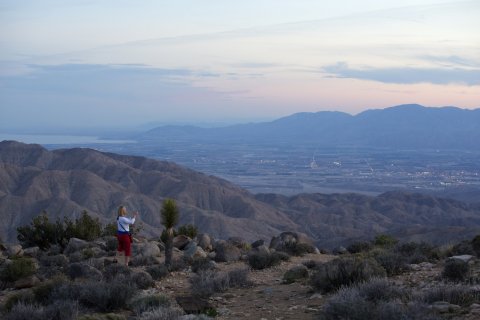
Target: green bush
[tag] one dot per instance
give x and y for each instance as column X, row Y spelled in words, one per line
column 262, row 260
column 345, row 271
column 359, row 246
column 455, row 270
column 110, row 229
column 43, row 233
column 19, row 268
column 200, row 264
column 188, row 230
column 25, row 297
column 384, row 240
column 393, row 262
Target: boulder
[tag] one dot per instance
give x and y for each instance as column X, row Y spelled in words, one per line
column 205, row 242
column 181, row 241
column 258, row 243
column 292, row 243
column 193, row 251
column 32, row 252
column 262, row 249
column 465, row 257
column 238, row 242
column 75, row 245
column 14, row 250
column 59, row 260
column 146, row 249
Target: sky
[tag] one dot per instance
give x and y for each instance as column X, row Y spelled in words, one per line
column 119, row 63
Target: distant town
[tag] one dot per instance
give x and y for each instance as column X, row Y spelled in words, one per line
column 293, row 169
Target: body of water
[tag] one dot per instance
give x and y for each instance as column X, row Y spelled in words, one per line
column 45, row 139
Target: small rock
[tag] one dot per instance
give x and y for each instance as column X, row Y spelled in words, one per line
column 14, row 250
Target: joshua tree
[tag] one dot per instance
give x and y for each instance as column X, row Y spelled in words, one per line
column 170, row 216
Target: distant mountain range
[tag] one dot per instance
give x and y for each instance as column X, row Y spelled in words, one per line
column 65, row 182
column 406, row 126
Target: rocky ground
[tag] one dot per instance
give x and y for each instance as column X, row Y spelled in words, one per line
column 268, row 297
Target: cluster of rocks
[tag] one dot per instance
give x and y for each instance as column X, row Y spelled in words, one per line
column 236, row 248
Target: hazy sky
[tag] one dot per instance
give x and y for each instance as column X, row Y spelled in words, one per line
column 118, row 62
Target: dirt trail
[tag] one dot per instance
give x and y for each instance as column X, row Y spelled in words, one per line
column 268, row 298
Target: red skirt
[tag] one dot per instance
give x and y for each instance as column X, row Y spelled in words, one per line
column 124, row 244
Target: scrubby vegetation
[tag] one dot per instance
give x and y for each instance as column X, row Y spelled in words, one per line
column 262, row 260
column 43, row 233
column 345, row 271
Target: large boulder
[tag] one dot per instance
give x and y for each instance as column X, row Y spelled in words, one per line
column 238, row 242
column 26, row 282
column 14, row 250
column 75, row 245
column 181, row 241
column 147, row 249
column 292, row 242
column 193, row 251
column 83, row 271
column 205, row 242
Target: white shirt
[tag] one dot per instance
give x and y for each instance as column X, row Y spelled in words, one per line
column 123, row 224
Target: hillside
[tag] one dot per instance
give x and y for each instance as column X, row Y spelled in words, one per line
column 68, row 181
column 405, row 126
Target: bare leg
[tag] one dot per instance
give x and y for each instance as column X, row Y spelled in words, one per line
column 127, row 258
column 118, row 255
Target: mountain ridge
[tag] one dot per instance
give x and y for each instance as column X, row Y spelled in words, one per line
column 410, row 126
column 65, row 182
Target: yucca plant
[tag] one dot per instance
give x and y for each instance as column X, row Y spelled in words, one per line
column 170, row 216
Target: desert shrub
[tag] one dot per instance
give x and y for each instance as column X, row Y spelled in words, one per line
column 261, row 260
column 22, row 311
column 476, row 245
column 112, row 271
column 102, row 296
column 238, row 278
column 455, row 270
column 418, row 252
column 109, row 229
column 41, row 233
column 459, row 295
column 83, row 270
column 188, row 230
column 384, row 240
column 393, row 262
column 298, row 249
column 200, row 264
column 62, row 310
column 26, row 298
column 58, row 260
column 148, row 303
column 205, row 283
column 178, row 265
column 375, row 299
column 157, row 271
column 162, row 313
column 310, row 264
column 359, row 246
column 143, row 280
column 464, row 247
column 43, row 291
column 19, row 267
column 295, row 273
column 143, row 261
column 112, row 244
column 343, row 272
column 85, row 227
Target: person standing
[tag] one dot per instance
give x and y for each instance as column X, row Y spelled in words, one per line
column 123, row 233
